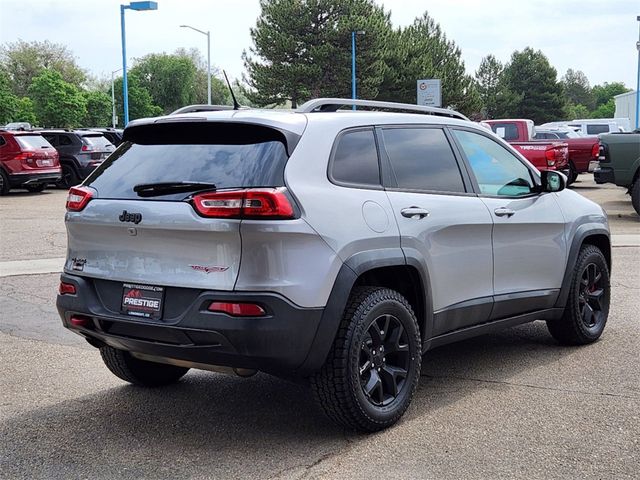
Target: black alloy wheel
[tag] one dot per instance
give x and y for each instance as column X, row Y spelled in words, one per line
column 384, row 360
column 591, row 296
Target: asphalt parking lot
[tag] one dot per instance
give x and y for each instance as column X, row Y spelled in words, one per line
column 506, row 405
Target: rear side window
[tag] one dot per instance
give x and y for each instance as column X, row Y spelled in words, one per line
column 506, row 131
column 227, row 155
column 597, row 128
column 355, row 160
column 96, row 141
column 32, row 141
column 64, row 140
column 422, row 159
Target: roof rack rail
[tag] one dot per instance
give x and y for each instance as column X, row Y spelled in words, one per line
column 334, row 104
column 203, row 108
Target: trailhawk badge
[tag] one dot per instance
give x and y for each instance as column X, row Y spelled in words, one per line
column 205, row 269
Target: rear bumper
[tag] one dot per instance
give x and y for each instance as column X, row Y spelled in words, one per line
column 277, row 343
column 604, row 175
column 19, row 179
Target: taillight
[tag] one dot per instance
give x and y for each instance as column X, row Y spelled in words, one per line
column 237, row 309
column 87, row 148
column 78, row 198
column 550, row 155
column 25, row 157
column 248, row 203
column 67, row 288
column 595, row 150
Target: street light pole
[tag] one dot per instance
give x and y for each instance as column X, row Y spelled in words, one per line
column 208, row 34
column 353, row 64
column 139, row 6
column 638, row 81
column 113, row 100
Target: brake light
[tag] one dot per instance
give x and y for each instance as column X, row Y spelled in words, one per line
column 237, row 309
column 78, row 198
column 247, row 203
column 67, row 288
column 87, row 148
column 25, row 157
column 550, row 155
column 595, row 150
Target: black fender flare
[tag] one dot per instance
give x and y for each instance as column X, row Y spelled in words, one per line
column 582, row 232
column 347, row 276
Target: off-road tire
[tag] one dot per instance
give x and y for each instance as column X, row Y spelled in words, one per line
column 140, row 372
column 337, row 386
column 36, row 188
column 635, row 195
column 4, row 183
column 571, row 328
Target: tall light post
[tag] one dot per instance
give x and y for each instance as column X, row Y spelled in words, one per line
column 207, row 33
column 353, row 64
column 114, row 120
column 138, row 6
column 638, row 81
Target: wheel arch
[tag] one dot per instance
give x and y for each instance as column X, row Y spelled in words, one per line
column 382, row 268
column 587, row 234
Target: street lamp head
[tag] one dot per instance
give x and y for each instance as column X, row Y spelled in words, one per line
column 360, row 32
column 140, row 6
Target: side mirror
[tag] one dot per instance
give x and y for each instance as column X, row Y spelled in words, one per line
column 552, row 181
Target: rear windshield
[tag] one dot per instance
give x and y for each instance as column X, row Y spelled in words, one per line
column 32, row 141
column 595, row 129
column 96, row 141
column 229, row 157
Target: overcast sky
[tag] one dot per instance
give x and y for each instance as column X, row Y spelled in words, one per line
column 595, row 36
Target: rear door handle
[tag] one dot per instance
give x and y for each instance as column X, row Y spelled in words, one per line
column 414, row 212
column 504, row 212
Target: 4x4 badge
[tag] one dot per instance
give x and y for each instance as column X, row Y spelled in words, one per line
column 203, row 268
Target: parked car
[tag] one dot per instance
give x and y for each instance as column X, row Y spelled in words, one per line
column 549, row 155
column 332, row 247
column 583, row 150
column 80, row 151
column 27, row 161
column 620, row 163
column 594, row 126
column 114, row 135
column 17, row 126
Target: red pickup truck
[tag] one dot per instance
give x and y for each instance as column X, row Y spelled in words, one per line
column 543, row 155
column 581, row 153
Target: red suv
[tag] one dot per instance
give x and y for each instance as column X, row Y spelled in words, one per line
column 27, row 160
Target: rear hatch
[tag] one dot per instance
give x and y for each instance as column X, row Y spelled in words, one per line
column 96, row 147
column 36, row 153
column 133, row 221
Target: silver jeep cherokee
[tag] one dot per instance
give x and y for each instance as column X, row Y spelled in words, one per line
column 323, row 244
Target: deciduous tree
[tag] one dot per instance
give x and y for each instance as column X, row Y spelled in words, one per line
column 57, row 103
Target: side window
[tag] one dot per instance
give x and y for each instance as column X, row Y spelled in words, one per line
column 597, row 128
column 50, row 138
column 422, row 159
column 497, row 170
column 64, row 140
column 356, row 159
column 2, row 141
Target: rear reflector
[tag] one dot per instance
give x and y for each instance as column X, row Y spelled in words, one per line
column 237, row 309
column 67, row 289
column 78, row 198
column 248, row 203
column 78, row 321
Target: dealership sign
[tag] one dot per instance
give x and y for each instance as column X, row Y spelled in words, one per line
column 430, row 92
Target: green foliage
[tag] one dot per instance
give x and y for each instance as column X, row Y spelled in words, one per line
column 605, row 110
column 530, row 77
column 140, row 101
column 25, row 111
column 8, row 101
column 98, row 109
column 23, row 61
column 490, row 88
column 422, row 51
column 57, row 103
column 577, row 90
column 302, row 49
column 605, row 92
column 577, row 111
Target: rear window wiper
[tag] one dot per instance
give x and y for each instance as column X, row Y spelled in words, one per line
column 166, row 188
